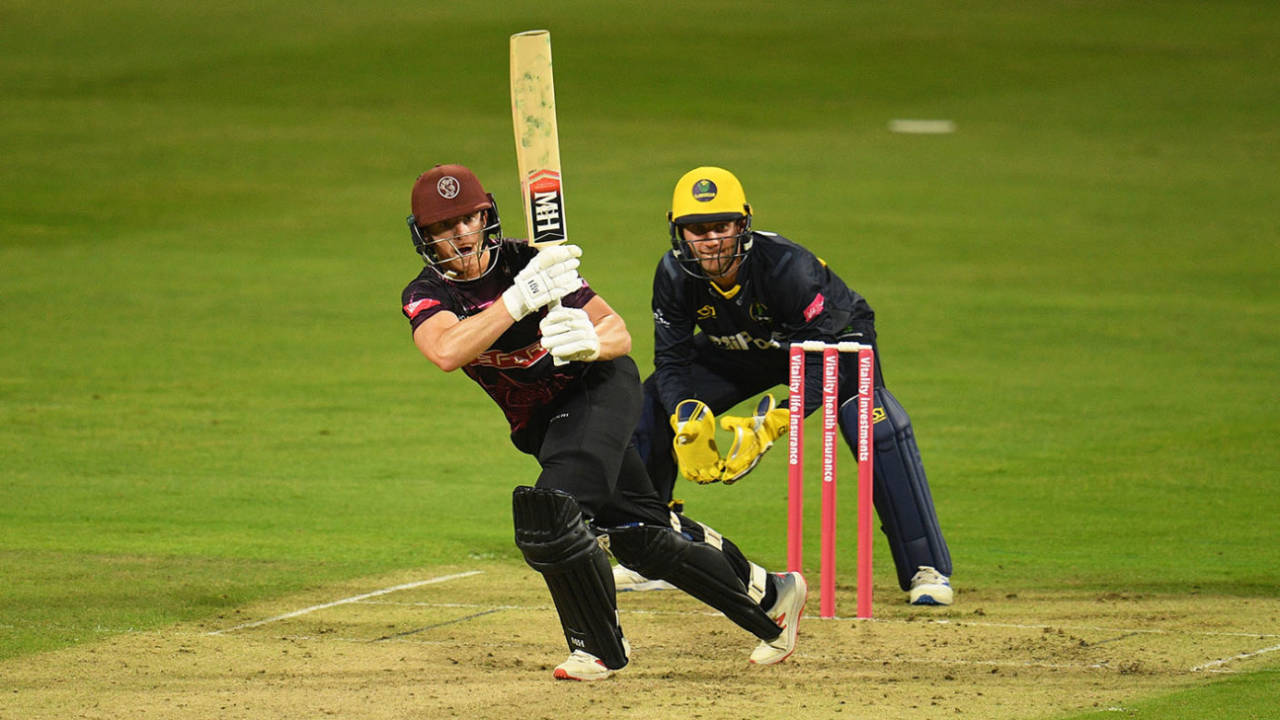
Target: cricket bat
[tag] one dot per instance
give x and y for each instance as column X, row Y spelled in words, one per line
column 533, row 115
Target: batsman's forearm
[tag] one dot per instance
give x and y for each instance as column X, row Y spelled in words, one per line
column 611, row 329
column 615, row 339
column 450, row 345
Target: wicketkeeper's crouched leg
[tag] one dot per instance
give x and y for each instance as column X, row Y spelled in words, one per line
column 556, row 542
column 701, row 562
column 901, row 489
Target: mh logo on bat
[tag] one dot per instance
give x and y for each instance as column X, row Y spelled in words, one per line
column 547, row 206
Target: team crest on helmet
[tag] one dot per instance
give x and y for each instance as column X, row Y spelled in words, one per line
column 704, row 190
column 448, row 187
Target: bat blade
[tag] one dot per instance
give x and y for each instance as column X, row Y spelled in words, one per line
column 533, row 115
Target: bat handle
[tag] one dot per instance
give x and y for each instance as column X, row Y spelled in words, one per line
column 559, row 362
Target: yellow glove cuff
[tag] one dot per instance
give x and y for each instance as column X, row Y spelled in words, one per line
column 695, row 442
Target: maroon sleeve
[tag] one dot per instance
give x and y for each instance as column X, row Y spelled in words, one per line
column 420, row 300
column 580, row 297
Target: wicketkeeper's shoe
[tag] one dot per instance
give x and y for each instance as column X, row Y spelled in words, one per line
column 786, row 610
column 625, row 580
column 930, row 587
column 584, row 666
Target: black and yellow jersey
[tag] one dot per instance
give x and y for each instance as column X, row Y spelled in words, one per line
column 784, row 293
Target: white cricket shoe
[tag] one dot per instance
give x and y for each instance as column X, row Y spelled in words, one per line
column 793, row 591
column 586, row 667
column 626, row 580
column 929, row 587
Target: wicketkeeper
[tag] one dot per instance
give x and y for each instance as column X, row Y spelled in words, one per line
column 751, row 293
column 482, row 304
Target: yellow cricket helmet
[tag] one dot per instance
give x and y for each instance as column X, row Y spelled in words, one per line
column 709, row 194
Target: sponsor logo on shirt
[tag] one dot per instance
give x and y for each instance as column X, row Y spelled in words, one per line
column 706, row 311
column 760, row 312
column 522, row 358
column 417, row 306
column 814, row 308
column 742, row 341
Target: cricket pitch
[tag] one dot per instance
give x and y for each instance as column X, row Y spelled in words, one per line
column 480, row 641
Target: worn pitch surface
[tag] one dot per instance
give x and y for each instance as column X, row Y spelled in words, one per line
column 480, row 641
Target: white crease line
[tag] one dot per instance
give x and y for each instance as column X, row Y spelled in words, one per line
column 1233, row 658
column 344, row 601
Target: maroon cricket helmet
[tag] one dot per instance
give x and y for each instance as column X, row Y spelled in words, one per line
column 447, row 191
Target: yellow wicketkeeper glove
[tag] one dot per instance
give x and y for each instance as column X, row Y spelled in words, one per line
column 695, row 442
column 752, row 436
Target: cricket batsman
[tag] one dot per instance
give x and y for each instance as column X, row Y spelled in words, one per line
column 484, row 304
column 751, row 293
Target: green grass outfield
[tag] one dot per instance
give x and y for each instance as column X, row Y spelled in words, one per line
column 208, row 395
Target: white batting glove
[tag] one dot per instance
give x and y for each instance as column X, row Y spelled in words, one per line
column 549, row 276
column 567, row 333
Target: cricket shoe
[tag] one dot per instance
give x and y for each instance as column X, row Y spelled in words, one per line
column 586, row 667
column 786, row 610
column 626, row 580
column 929, row 587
